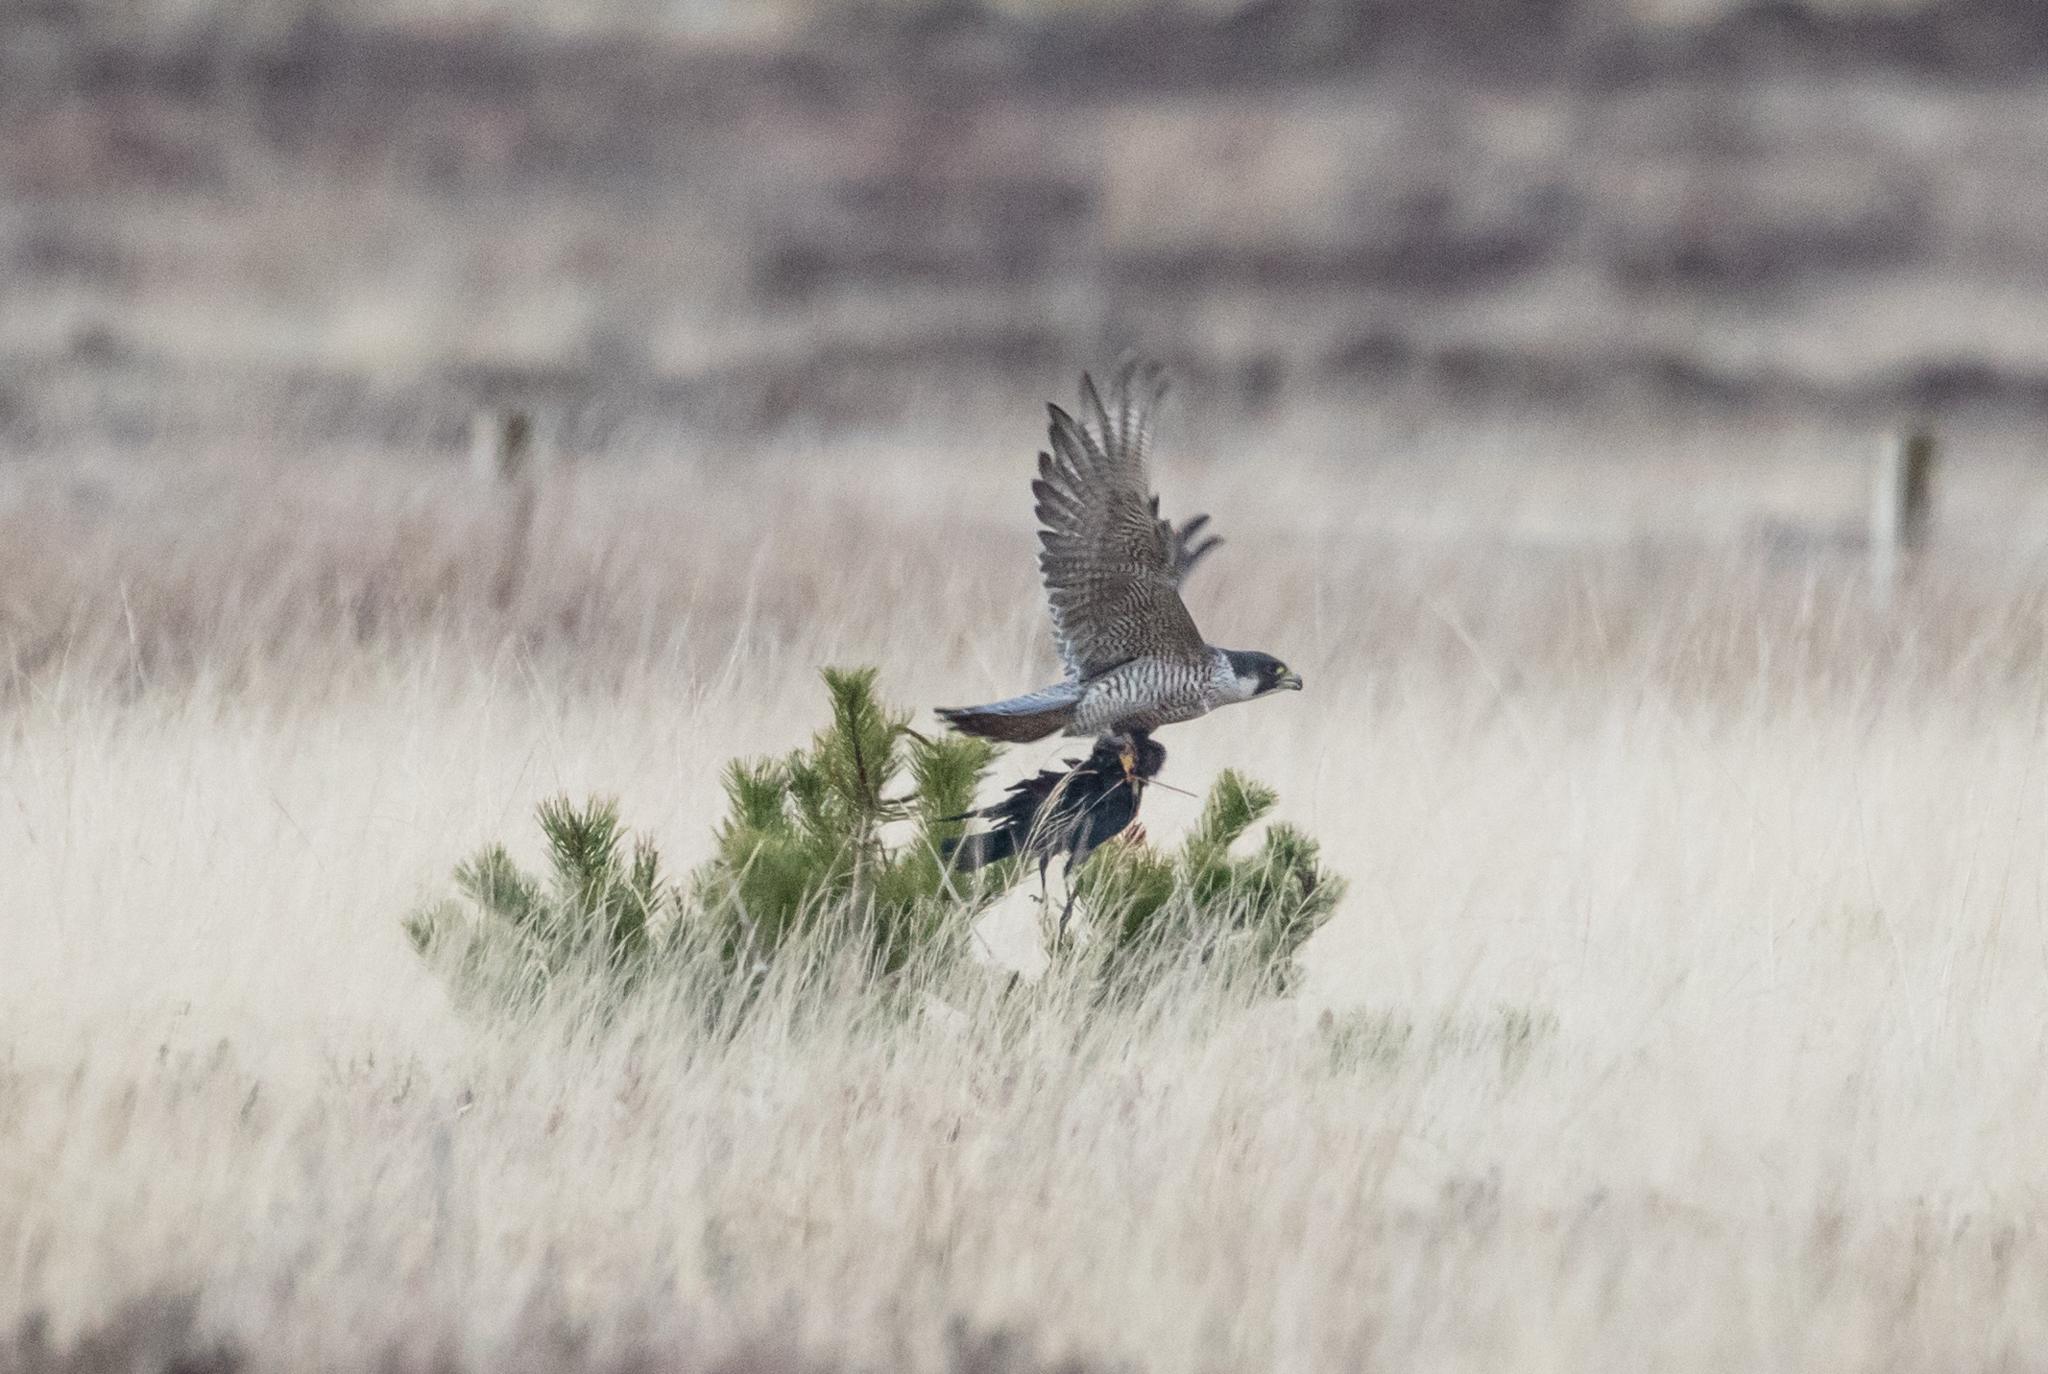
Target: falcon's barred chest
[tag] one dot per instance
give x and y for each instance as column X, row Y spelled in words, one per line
column 1147, row 693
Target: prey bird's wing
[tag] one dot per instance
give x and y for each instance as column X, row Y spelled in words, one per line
column 1112, row 566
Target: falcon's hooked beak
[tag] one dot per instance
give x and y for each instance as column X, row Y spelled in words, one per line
column 1289, row 681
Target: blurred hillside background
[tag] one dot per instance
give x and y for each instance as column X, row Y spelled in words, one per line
column 348, row 223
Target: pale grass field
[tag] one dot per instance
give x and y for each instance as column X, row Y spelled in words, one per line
column 1686, row 1011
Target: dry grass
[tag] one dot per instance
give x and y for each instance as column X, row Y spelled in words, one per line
column 1685, row 1013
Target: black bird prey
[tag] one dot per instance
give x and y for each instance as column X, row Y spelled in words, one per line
column 1112, row 569
column 1071, row 811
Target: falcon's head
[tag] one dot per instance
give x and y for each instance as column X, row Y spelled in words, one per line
column 1258, row 674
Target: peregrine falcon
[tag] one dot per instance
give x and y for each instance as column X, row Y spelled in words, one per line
column 1112, row 569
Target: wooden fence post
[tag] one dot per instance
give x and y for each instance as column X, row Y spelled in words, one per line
column 501, row 453
column 1901, row 496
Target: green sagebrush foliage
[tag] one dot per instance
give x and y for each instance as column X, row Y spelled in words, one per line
column 837, row 845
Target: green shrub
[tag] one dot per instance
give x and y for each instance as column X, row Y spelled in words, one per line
column 836, row 846
column 803, row 845
column 511, row 938
column 1257, row 909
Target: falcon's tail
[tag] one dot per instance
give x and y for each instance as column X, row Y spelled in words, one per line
column 1019, row 720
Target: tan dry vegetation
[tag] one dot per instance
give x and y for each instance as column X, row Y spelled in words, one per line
column 1685, row 1013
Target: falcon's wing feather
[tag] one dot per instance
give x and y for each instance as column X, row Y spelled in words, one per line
column 1112, row 566
column 1188, row 547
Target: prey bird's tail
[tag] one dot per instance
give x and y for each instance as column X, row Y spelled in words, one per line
column 970, row 852
column 1019, row 720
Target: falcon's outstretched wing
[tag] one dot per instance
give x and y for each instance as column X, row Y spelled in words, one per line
column 1112, row 566
column 1188, row 548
